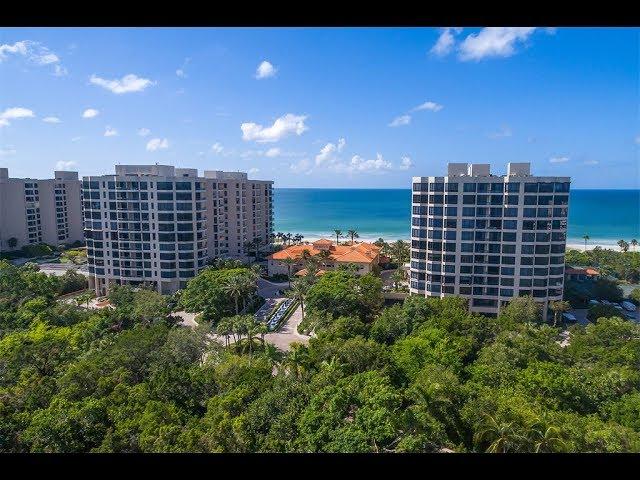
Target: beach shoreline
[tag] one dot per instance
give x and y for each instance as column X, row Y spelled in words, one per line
column 572, row 244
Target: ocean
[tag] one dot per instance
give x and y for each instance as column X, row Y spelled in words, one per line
column 605, row 215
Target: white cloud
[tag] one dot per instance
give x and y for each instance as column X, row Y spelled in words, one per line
column 60, row 71
column 65, row 165
column 445, row 42
column 272, row 152
column 127, row 84
column 75, row 139
column 143, row 132
column 14, row 113
column 253, row 170
column 181, row 72
column 47, row 58
column 638, row 139
column 504, row 132
column 265, row 70
column 35, row 53
column 110, row 132
column 303, row 166
column 432, row 106
column 217, row 147
column 327, row 153
column 284, row 126
column 7, row 151
column 359, row 164
column 51, row 119
column 558, row 159
column 400, row 121
column 157, row 144
column 90, row 113
column 18, row 48
column 493, row 42
column 591, row 162
column 405, row 163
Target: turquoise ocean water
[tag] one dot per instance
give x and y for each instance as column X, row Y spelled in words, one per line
column 605, row 215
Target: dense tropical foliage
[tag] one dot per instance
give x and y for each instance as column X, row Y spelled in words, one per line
column 420, row 376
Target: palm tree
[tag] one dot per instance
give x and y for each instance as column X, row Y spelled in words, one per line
column 288, row 238
column 298, row 292
column 289, row 262
column 398, row 277
column 323, row 256
column 225, row 329
column 503, row 436
column 399, row 251
column 338, row 235
column 547, row 438
column 634, row 243
column 235, row 287
column 272, row 354
column 85, row 297
column 297, row 358
column 624, row 246
column 558, row 308
column 586, row 237
column 353, row 234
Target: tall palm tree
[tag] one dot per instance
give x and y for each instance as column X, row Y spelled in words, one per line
column 624, row 246
column 547, row 438
column 272, row 354
column 297, row 358
column 289, row 262
column 398, row 276
column 634, row 243
column 586, row 237
column 288, row 237
column 400, row 252
column 298, row 292
column 338, row 235
column 559, row 308
column 225, row 329
column 353, row 234
column 235, row 287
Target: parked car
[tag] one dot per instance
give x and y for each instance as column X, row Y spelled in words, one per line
column 605, row 302
column 630, row 307
column 629, row 315
column 594, row 302
column 616, row 306
column 569, row 318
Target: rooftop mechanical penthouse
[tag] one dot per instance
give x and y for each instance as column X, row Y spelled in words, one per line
column 487, row 237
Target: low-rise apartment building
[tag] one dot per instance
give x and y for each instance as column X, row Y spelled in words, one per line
column 40, row 210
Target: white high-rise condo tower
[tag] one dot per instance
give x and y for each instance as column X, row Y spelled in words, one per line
column 489, row 238
column 158, row 225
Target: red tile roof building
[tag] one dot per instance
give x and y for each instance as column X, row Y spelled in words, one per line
column 364, row 255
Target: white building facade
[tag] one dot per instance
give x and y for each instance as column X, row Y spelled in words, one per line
column 153, row 225
column 489, row 238
column 36, row 211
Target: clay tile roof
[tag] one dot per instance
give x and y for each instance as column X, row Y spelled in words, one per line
column 358, row 253
column 323, row 241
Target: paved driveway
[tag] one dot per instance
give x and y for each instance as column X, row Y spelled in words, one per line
column 269, row 289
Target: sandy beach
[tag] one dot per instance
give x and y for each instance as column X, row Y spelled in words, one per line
column 571, row 244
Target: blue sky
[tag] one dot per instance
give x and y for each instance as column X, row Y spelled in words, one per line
column 323, row 107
